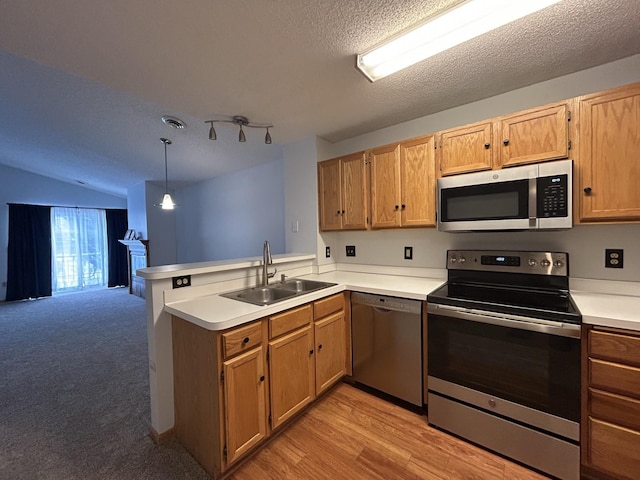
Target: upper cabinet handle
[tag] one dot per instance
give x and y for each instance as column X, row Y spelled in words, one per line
column 506, row 141
column 587, row 190
column 487, row 145
column 403, row 206
column 397, row 207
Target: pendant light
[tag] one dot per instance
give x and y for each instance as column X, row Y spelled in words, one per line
column 167, row 201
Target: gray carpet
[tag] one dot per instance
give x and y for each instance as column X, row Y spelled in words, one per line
column 74, row 401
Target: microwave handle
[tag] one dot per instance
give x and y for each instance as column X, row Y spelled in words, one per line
column 533, row 203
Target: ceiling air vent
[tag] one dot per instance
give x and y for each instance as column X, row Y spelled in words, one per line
column 173, row 122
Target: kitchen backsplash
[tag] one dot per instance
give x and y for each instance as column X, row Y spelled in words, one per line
column 585, row 244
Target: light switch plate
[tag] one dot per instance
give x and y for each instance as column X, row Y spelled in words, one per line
column 408, row 253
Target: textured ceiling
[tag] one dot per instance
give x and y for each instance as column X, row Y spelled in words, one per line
column 83, row 84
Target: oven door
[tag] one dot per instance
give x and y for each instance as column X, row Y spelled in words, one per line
column 527, row 362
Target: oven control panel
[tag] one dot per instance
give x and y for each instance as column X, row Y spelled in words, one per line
column 540, row 263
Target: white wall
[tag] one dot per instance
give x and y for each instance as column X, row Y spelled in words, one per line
column 19, row 186
column 231, row 216
column 585, row 244
column 300, row 193
column 137, row 209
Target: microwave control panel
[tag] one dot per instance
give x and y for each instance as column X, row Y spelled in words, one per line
column 552, row 196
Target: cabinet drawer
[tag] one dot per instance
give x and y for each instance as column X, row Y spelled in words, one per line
column 614, row 346
column 614, row 377
column 328, row 305
column 241, row 339
column 618, row 409
column 290, row 320
column 614, row 449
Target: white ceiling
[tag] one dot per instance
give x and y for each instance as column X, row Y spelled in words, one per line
column 83, row 83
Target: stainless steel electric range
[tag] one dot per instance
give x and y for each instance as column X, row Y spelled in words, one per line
column 504, row 357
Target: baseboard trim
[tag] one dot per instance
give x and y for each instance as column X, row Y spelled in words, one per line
column 161, row 438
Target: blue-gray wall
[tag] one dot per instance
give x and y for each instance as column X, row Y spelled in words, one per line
column 231, row 216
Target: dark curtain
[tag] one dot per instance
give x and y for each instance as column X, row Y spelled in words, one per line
column 29, row 252
column 117, row 226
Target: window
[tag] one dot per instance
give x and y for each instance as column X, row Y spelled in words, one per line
column 79, row 248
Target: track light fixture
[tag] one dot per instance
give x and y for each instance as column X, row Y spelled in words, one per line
column 241, row 122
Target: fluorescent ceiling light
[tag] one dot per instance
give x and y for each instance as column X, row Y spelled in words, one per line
column 465, row 21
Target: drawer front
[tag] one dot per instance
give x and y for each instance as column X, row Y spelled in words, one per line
column 613, row 408
column 614, row 377
column 615, row 347
column 328, row 305
column 614, row 449
column 290, row 320
column 241, row 339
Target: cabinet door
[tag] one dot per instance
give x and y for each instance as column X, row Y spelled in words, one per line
column 535, row 135
column 609, row 155
column 466, row 149
column 329, row 195
column 330, row 348
column 385, row 186
column 291, row 374
column 417, row 183
column 245, row 405
column 354, row 192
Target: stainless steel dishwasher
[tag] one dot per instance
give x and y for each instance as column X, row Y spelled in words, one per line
column 387, row 345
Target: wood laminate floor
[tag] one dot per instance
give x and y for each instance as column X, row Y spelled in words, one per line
column 352, row 435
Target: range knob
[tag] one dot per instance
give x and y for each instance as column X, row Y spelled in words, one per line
column 453, row 259
column 532, row 262
column 462, row 260
column 545, row 263
column 558, row 263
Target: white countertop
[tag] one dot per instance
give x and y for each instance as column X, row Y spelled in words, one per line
column 214, row 312
column 608, row 310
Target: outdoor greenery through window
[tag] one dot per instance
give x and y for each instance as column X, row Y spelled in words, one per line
column 79, row 249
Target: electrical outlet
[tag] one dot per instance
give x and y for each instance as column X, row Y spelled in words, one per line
column 327, row 251
column 351, row 250
column 181, row 281
column 408, row 253
column 613, row 258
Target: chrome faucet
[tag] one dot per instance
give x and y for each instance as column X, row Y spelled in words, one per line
column 267, row 260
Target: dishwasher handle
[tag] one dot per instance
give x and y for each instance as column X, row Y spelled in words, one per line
column 387, row 304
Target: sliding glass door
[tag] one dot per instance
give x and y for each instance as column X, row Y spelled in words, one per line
column 79, row 247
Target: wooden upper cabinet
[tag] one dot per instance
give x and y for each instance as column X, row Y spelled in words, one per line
column 535, row 135
column 417, row 182
column 342, row 193
column 466, row 149
column 385, row 186
column 330, row 194
column 608, row 158
column 354, row 192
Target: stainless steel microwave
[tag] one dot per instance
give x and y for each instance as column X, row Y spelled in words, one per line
column 530, row 197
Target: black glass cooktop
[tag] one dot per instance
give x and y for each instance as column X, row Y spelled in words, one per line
column 543, row 303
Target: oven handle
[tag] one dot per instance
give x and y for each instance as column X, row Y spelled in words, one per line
column 506, row 320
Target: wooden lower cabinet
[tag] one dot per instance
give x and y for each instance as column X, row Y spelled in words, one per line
column 244, row 403
column 611, row 403
column 329, row 336
column 291, row 368
column 229, row 384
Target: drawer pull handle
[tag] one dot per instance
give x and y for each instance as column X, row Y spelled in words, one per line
column 320, row 347
column 246, row 340
column 262, row 378
column 311, row 352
